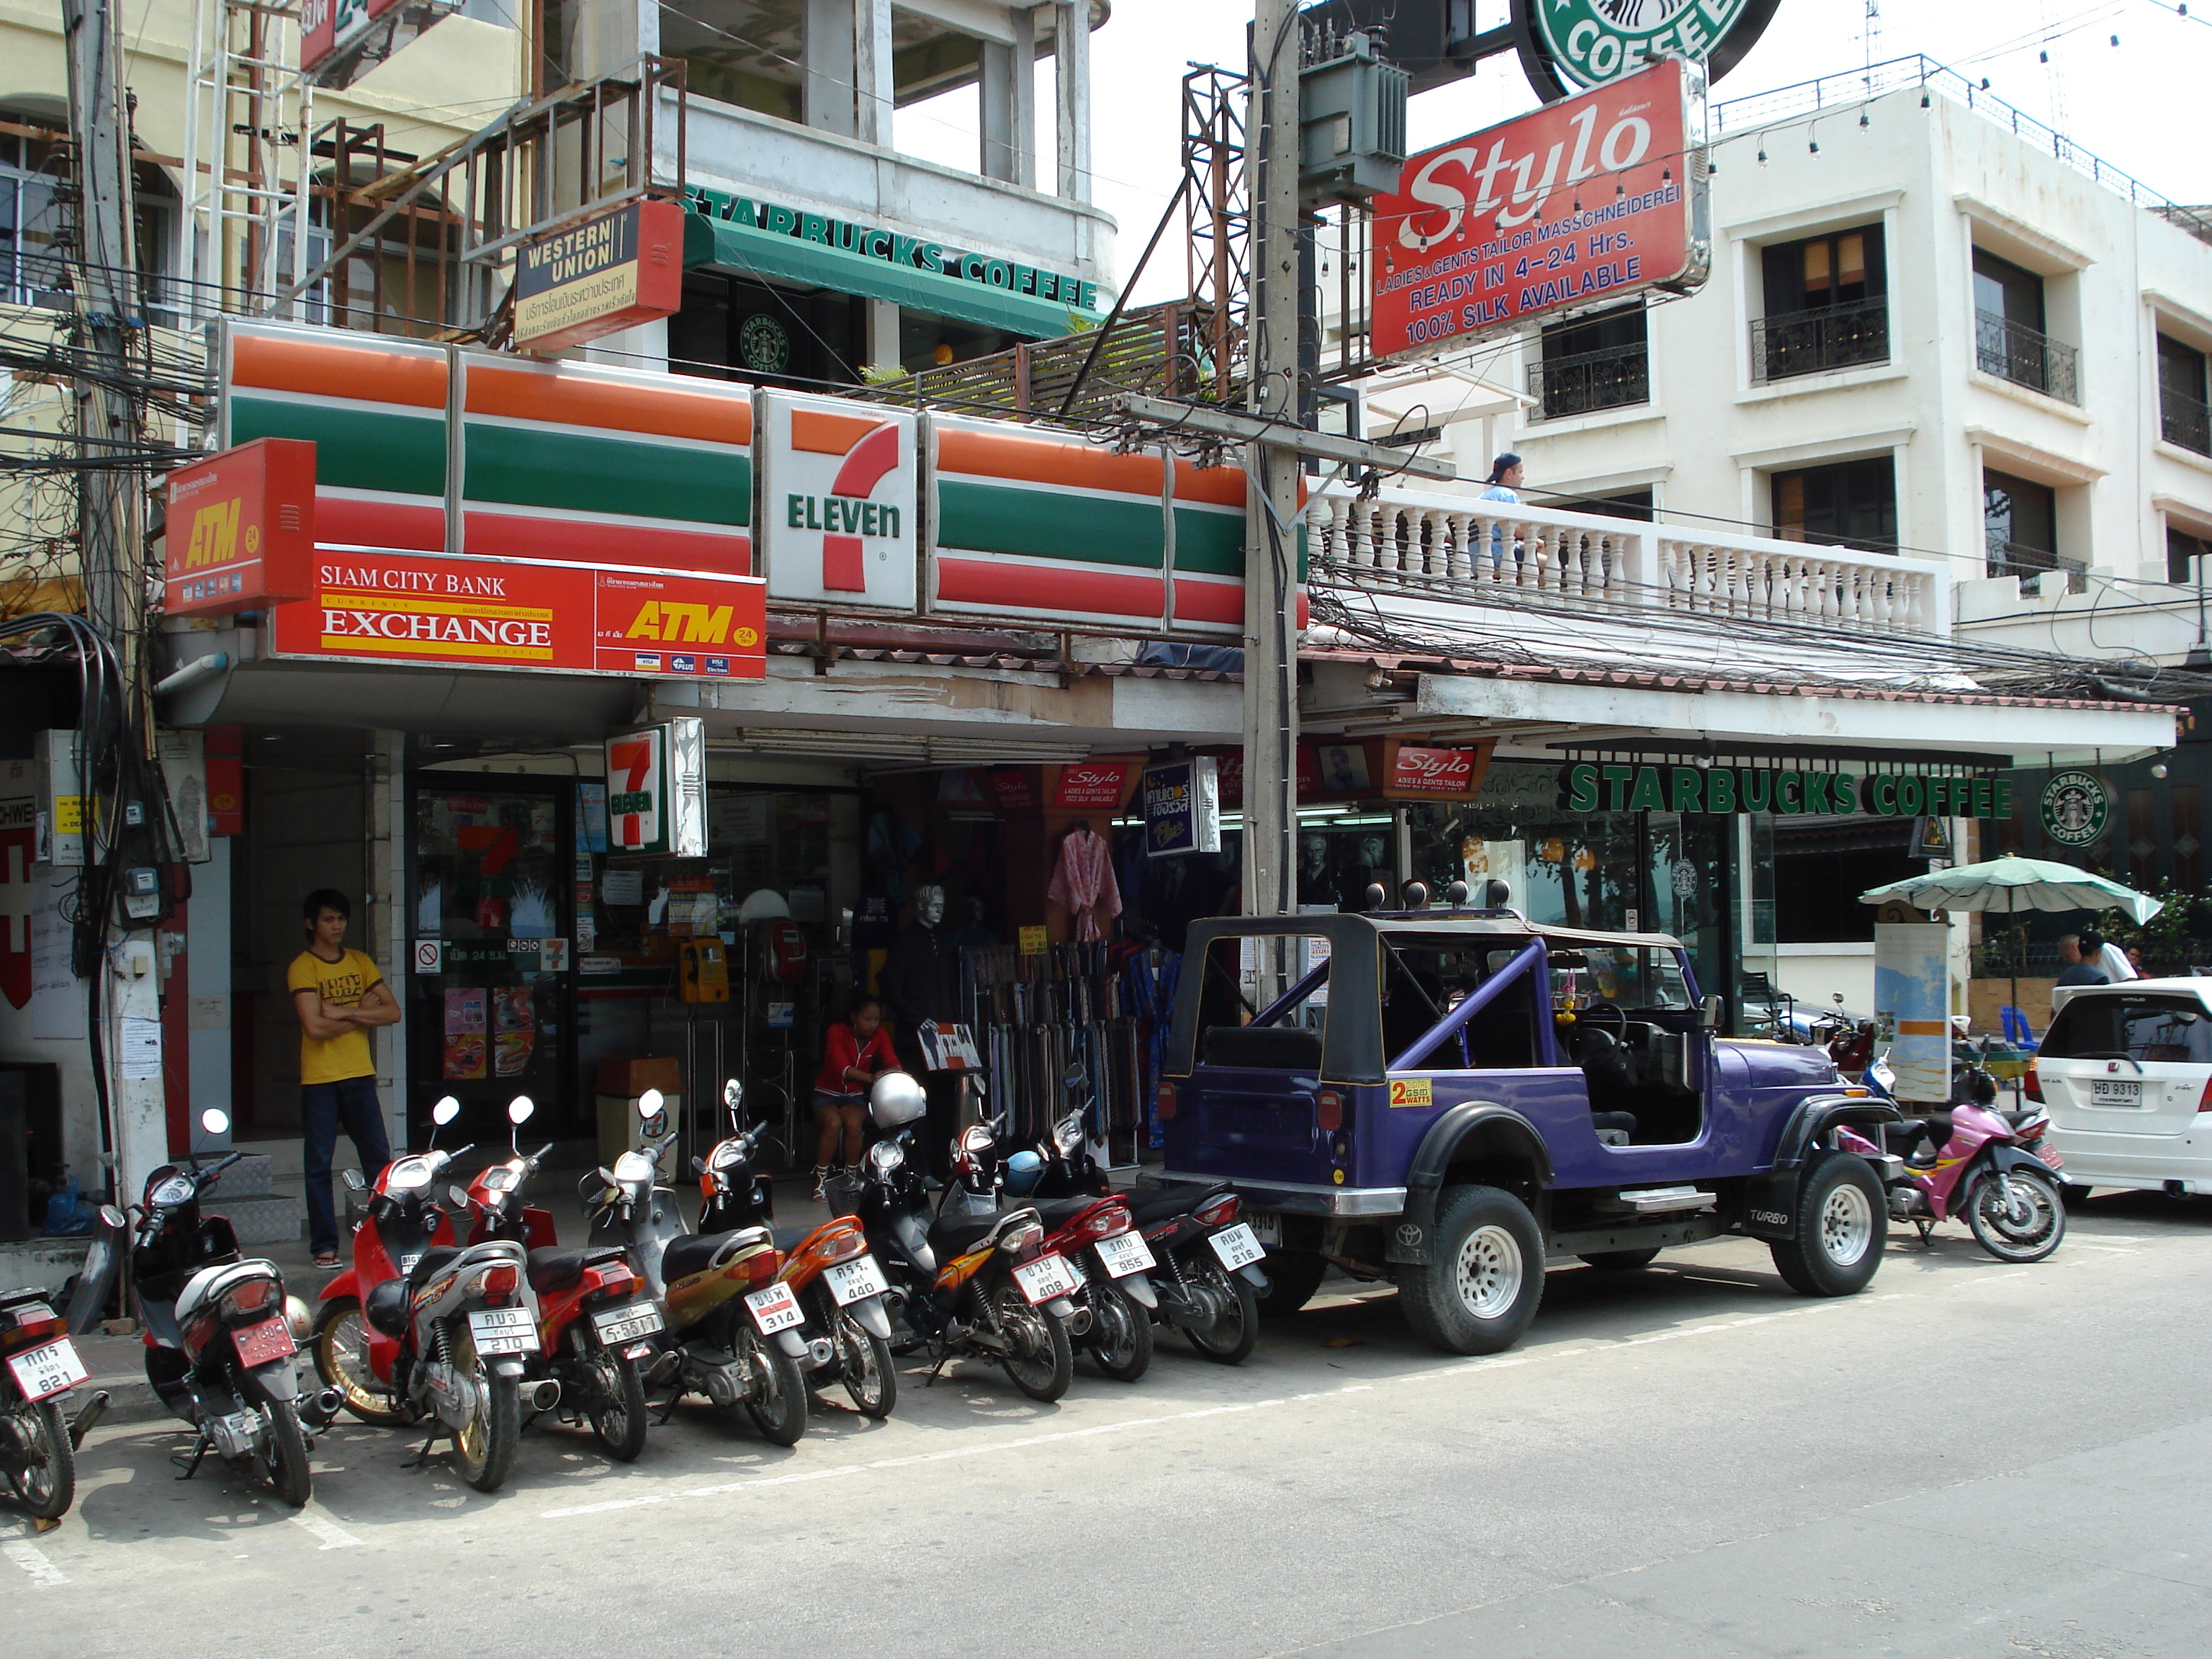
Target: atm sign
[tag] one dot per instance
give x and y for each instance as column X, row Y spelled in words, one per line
column 241, row 530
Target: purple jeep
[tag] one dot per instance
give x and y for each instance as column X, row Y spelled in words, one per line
column 1455, row 1100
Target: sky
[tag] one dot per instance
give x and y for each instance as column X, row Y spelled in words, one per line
column 2138, row 105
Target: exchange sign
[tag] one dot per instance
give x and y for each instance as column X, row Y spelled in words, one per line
column 1585, row 203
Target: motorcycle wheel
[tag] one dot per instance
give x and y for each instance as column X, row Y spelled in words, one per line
column 1229, row 1340
column 484, row 1447
column 341, row 1347
column 1045, row 1371
column 283, row 1455
column 2017, row 1216
column 865, row 1361
column 617, row 1412
column 781, row 1413
column 1121, row 1334
column 46, row 1484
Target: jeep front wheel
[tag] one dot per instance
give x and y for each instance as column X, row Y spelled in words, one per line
column 1480, row 1291
column 1842, row 1224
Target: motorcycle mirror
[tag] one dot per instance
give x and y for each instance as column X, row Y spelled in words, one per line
column 520, row 1109
column 444, row 1111
column 458, row 1197
column 215, row 1121
column 112, row 1215
column 733, row 1093
column 353, row 1181
column 606, row 1177
column 649, row 1103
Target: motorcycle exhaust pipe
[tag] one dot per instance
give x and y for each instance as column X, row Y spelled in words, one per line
column 664, row 1367
column 820, row 1350
column 543, row 1395
column 321, row 1410
column 82, row 1424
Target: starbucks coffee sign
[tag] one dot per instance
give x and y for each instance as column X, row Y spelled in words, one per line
column 2075, row 807
column 1568, row 46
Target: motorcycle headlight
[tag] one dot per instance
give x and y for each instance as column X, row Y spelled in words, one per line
column 177, row 1190
column 727, row 1156
column 1068, row 1134
column 633, row 1167
column 886, row 1157
column 976, row 1138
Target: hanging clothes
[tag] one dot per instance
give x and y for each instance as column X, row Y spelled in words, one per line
column 1083, row 883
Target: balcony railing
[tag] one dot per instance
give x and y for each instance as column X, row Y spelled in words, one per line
column 1797, row 343
column 1590, row 381
column 1460, row 549
column 2013, row 351
column 2018, row 559
column 2184, row 421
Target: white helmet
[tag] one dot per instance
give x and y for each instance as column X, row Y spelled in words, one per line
column 896, row 1101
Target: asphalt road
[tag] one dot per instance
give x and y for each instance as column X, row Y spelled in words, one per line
column 1969, row 1460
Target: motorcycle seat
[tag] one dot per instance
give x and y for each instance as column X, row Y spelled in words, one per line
column 432, row 1260
column 954, row 1235
column 695, row 1253
column 386, row 1310
column 1179, row 1201
column 1057, row 1212
column 554, row 1268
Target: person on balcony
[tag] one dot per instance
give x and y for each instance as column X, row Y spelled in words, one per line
column 1506, row 475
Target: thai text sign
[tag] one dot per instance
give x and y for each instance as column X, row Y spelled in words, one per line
column 838, row 482
column 241, row 530
column 494, row 613
column 1587, row 787
column 1590, row 200
column 604, row 275
column 1182, row 807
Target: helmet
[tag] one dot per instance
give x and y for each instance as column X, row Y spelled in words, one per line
column 1021, row 1172
column 896, row 1101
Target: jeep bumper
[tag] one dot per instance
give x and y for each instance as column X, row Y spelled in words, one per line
column 1295, row 1198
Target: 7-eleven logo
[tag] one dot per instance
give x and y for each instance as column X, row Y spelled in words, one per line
column 859, row 507
column 634, row 804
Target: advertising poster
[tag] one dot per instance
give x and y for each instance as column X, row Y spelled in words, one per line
column 1912, row 1001
column 515, row 1028
column 464, row 1035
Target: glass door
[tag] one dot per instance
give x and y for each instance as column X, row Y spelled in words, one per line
column 1687, row 865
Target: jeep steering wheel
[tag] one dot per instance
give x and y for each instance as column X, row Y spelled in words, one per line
column 1589, row 1014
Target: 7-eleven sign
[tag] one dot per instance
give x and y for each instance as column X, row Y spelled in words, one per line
column 657, row 789
column 838, row 493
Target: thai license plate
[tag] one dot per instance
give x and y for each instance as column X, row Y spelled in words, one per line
column 259, row 1345
column 850, row 1281
column 1124, row 1253
column 626, row 1323
column 774, row 1308
column 44, row 1372
column 2115, row 1091
column 1266, row 1226
column 1237, row 1246
column 1047, row 1277
column 503, row 1330
column 2048, row 1154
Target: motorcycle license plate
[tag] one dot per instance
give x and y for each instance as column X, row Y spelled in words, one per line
column 776, row 1308
column 849, row 1281
column 1047, row 1277
column 1124, row 1253
column 44, row 1372
column 2115, row 1091
column 257, row 1345
column 503, row 1330
column 1266, row 1226
column 626, row 1323
column 2048, row 1154
column 1237, row 1246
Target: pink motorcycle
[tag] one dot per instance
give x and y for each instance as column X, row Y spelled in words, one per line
column 2000, row 1176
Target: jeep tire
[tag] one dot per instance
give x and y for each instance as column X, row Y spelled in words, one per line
column 1293, row 1276
column 1480, row 1290
column 1841, row 1227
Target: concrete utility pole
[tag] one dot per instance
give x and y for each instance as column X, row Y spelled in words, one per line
column 1271, row 704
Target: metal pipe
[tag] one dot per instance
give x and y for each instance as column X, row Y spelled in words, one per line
column 192, row 673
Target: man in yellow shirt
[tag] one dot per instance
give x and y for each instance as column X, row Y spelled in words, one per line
column 338, row 995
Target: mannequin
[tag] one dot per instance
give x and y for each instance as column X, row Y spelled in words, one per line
column 921, row 980
column 1314, row 886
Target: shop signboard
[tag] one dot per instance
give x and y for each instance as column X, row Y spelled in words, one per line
column 326, row 26
column 612, row 271
column 838, row 482
column 1092, row 785
column 2074, row 807
column 1911, row 1001
column 1593, row 787
column 240, row 531
column 657, row 789
column 1413, row 771
column 510, row 613
column 1182, row 807
column 1589, row 201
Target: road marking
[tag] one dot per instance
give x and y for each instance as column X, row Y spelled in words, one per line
column 315, row 1519
column 32, row 1559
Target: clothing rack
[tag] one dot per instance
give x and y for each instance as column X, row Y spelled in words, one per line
column 1035, row 1016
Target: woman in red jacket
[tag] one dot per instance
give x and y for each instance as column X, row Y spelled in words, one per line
column 855, row 1052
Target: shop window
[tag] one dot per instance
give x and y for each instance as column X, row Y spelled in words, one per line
column 2187, row 814
column 1816, row 894
column 1850, row 504
column 2182, row 552
column 764, row 333
column 2020, row 525
column 1827, row 305
column 2183, row 418
column 1599, row 362
column 30, row 219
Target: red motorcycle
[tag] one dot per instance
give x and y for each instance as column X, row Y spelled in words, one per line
column 596, row 1317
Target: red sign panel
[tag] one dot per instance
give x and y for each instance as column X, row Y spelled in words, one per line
column 1010, row 791
column 493, row 613
column 1099, row 784
column 241, row 530
column 1588, row 200
column 327, row 24
column 1417, row 770
column 1230, row 775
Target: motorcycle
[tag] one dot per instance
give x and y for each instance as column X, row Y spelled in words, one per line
column 981, row 1285
column 422, row 1329
column 2002, row 1176
column 38, row 1440
column 730, row 1327
column 592, row 1361
column 220, row 1335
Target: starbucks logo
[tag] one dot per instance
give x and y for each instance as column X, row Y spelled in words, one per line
column 763, row 344
column 1585, row 43
column 2076, row 805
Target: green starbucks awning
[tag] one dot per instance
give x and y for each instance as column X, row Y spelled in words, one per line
column 742, row 250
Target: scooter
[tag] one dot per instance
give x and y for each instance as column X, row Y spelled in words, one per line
column 592, row 1361
column 38, row 1440
column 981, row 1285
column 220, row 1332
column 731, row 1329
column 1975, row 1163
column 443, row 1333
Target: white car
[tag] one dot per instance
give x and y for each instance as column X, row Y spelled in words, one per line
column 2125, row 1072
